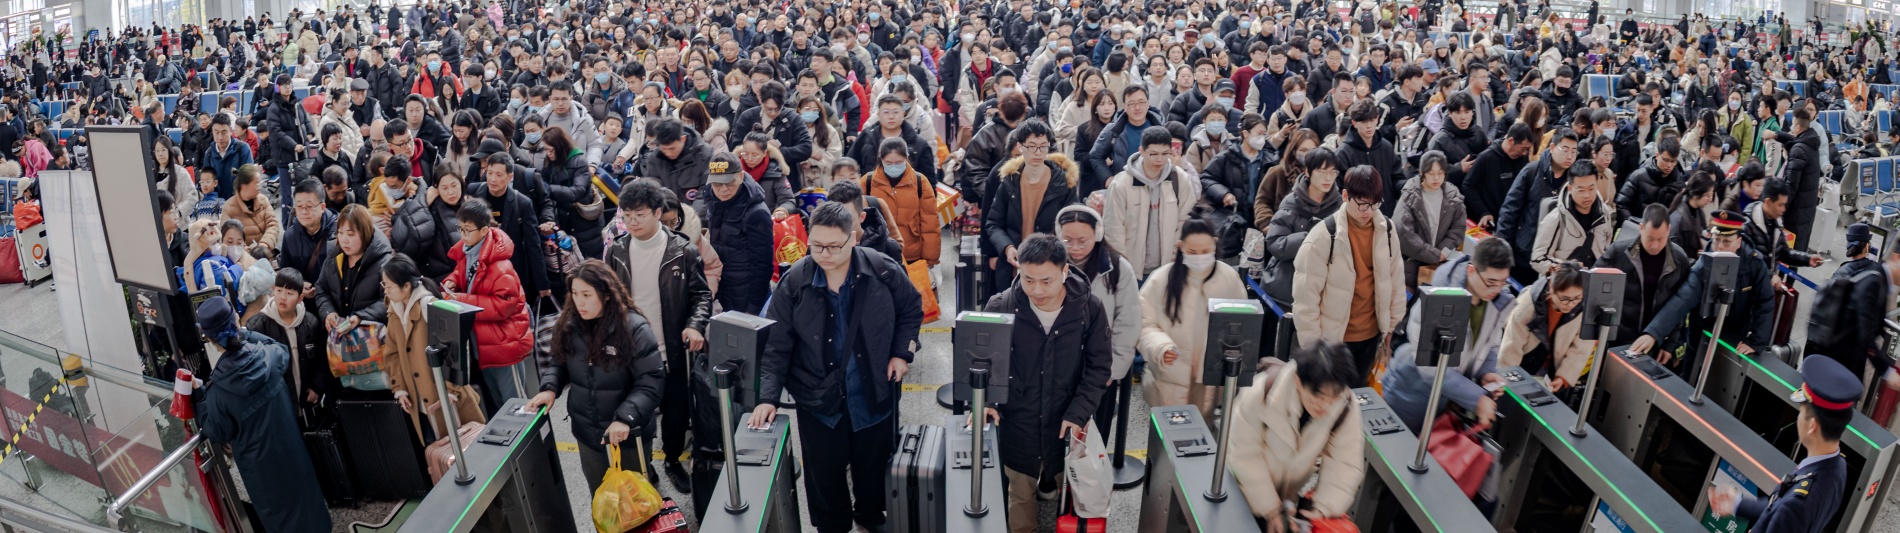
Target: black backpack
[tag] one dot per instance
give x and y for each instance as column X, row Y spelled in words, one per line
column 1830, row 322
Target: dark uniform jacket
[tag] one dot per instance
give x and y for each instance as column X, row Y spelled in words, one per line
column 1803, row 502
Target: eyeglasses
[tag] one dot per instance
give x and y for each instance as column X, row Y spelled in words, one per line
column 1035, row 148
column 1569, row 300
column 1366, row 205
column 1493, row 283
column 1077, row 244
column 827, row 249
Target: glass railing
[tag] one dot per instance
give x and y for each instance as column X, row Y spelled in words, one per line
column 85, row 436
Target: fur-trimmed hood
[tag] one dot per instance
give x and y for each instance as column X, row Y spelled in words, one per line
column 1071, row 172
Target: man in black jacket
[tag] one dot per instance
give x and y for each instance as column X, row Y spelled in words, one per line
column 385, row 83
column 781, row 122
column 1061, row 353
column 891, row 123
column 303, row 241
column 669, row 290
column 479, row 96
column 1656, row 183
column 515, row 214
column 845, row 321
column 1803, row 172
column 1656, row 267
column 1364, row 145
column 286, row 133
column 1490, row 177
column 1764, row 230
column 1327, row 118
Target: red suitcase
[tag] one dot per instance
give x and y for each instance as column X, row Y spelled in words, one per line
column 670, row 520
column 1885, row 401
column 1070, row 523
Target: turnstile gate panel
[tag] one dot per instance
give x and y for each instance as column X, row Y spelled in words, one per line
column 1534, row 429
column 518, row 485
column 956, row 496
column 1181, row 466
column 1432, row 500
column 1756, row 389
column 766, row 481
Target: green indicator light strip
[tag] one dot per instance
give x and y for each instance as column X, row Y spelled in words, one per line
column 1784, row 383
column 1167, row 447
column 1564, row 438
column 1408, row 488
column 520, row 438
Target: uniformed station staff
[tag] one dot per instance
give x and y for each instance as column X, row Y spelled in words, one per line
column 1811, row 494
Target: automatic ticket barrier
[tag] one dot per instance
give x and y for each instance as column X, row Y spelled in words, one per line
column 1189, row 487
column 1429, row 499
column 757, row 489
column 1555, row 479
column 1682, row 442
column 973, row 481
column 516, row 485
column 1756, row 390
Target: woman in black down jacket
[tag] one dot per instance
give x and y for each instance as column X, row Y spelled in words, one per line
column 570, row 182
column 607, row 353
column 412, row 229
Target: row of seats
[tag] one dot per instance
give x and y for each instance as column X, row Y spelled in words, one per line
column 247, row 100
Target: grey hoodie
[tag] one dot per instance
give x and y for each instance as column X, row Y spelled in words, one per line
column 1154, row 255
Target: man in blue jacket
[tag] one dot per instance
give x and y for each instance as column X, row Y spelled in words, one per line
column 1485, row 274
column 1750, row 317
column 225, row 154
column 845, row 321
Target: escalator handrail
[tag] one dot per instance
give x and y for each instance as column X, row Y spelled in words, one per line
column 115, row 512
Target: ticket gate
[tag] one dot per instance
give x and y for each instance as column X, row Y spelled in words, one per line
column 759, row 491
column 1181, row 465
column 1757, row 388
column 517, row 484
column 962, row 481
column 1431, row 501
column 1681, row 442
column 1557, row 480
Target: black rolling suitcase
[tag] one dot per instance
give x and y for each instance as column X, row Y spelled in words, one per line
column 326, row 455
column 384, row 450
column 915, row 484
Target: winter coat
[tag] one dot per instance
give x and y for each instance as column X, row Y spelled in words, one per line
column 223, row 163
column 303, row 336
column 882, row 323
column 243, row 405
column 616, row 98
column 628, row 391
column 1456, row 144
column 684, row 175
column 571, row 182
column 1422, row 245
column 685, row 299
column 1123, row 306
column 1324, row 278
column 406, row 361
column 1233, row 173
column 1178, row 383
column 1126, row 211
column 1381, row 156
column 923, row 154
column 1685, row 228
column 1623, row 255
column 1560, row 234
column 1286, row 233
column 358, row 293
column 1489, row 182
column 1003, row 218
column 184, row 194
column 1803, row 170
column 741, row 231
column 304, row 252
column 286, row 128
column 794, row 138
column 1109, row 153
column 352, row 135
column 913, row 206
column 414, row 231
column 1274, row 453
column 1750, row 318
column 1055, row 376
column 988, row 148
column 1770, row 237
column 1518, row 217
column 1408, row 386
column 519, row 222
column 501, row 329
column 1649, row 186
column 1530, row 343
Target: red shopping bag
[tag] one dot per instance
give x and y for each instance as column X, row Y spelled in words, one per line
column 788, row 242
column 1458, row 452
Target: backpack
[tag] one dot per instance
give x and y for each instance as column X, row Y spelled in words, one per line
column 1830, row 323
column 1332, row 237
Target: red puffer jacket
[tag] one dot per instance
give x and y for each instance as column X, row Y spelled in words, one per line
column 501, row 329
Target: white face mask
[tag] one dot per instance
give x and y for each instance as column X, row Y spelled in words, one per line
column 1198, row 262
column 1258, row 142
column 1296, row 98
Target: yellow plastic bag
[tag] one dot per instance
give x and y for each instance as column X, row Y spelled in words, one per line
column 625, row 499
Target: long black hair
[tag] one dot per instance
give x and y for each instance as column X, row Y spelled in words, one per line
column 609, row 329
column 1178, row 274
column 1102, row 258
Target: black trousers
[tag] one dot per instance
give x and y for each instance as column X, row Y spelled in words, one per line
column 1364, row 354
column 676, row 412
column 1106, row 410
column 829, row 453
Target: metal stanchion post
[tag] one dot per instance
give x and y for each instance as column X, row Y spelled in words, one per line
column 462, row 475
column 979, row 389
column 1595, row 370
column 1230, row 370
column 1431, row 404
column 1128, row 472
column 1722, row 300
column 722, row 377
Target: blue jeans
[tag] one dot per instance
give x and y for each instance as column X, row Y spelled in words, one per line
column 501, row 384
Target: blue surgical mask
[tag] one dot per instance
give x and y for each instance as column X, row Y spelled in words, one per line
column 1226, row 101
column 435, row 66
column 1066, row 50
column 873, row 17
column 1246, row 24
column 894, row 170
column 1180, row 24
column 898, row 78
column 1052, row 45
column 750, row 20
column 601, row 78
column 808, row 116
column 1130, row 43
column 532, row 137
column 512, row 38
column 514, row 102
column 1094, row 25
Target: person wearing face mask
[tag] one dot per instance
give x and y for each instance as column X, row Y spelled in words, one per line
column 1213, row 128
column 1174, row 318
column 1293, row 424
column 243, row 404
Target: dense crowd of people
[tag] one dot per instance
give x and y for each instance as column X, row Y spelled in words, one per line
column 602, row 177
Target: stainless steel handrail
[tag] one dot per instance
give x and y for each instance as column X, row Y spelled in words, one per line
column 26, row 516
column 115, row 512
